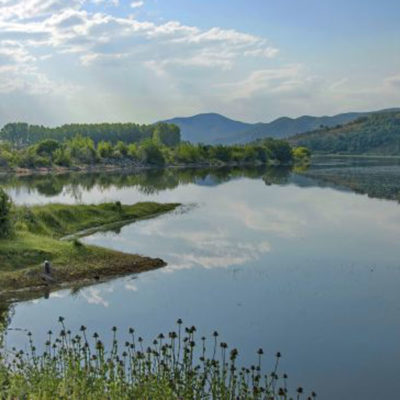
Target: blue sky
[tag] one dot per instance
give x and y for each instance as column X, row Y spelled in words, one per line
column 145, row 60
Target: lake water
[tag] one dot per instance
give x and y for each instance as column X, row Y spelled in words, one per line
column 289, row 262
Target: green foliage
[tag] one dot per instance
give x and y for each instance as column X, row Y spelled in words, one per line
column 22, row 134
column 5, row 214
column 29, row 158
column 176, row 366
column 187, row 153
column 150, row 153
column 159, row 150
column 167, row 134
column 47, row 147
column 58, row 220
column 280, row 150
column 105, row 149
column 132, row 151
column 301, row 154
column 121, row 149
column 82, row 149
column 378, row 133
column 62, row 156
column 7, row 157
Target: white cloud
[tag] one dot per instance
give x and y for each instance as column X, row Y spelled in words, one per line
column 93, row 296
column 273, row 80
column 137, row 4
column 63, row 51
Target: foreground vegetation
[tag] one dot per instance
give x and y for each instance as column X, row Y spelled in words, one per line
column 175, row 366
column 83, row 146
column 30, row 235
column 377, row 133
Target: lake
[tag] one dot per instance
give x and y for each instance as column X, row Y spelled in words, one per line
column 306, row 263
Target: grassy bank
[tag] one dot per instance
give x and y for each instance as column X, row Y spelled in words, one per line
column 36, row 237
column 176, row 366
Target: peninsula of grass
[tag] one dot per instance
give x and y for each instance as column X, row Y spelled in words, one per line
column 36, row 236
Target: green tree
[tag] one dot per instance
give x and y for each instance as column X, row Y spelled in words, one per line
column 47, row 147
column 121, row 149
column 5, row 214
column 167, row 134
column 150, row 153
column 104, row 149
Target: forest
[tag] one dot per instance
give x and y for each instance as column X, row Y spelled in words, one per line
column 28, row 146
column 377, row 133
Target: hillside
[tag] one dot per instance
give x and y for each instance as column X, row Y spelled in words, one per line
column 284, row 127
column 377, row 133
column 207, row 128
column 215, row 128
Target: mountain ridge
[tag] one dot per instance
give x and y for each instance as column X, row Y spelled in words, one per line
column 214, row 128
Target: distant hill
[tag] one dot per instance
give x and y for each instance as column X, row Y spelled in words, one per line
column 376, row 133
column 207, row 128
column 215, row 128
column 284, row 127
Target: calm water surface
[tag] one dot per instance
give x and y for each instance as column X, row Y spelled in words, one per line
column 269, row 259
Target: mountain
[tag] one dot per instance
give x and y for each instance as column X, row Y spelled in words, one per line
column 215, row 128
column 207, row 128
column 376, row 133
column 284, row 127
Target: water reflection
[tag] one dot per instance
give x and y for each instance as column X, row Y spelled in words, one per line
column 375, row 177
column 148, row 181
column 271, row 258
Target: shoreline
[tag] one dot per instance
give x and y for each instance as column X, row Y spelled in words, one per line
column 136, row 264
column 128, row 167
column 315, row 155
column 51, row 233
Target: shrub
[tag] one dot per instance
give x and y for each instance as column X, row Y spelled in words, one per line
column 151, row 153
column 105, row 149
column 5, row 214
column 62, row 157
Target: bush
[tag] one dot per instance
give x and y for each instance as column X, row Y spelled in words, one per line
column 150, row 153
column 62, row 157
column 5, row 214
column 301, row 153
column 47, row 147
column 105, row 149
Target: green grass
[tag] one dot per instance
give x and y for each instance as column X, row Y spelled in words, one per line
column 57, row 220
column 36, row 238
column 176, row 366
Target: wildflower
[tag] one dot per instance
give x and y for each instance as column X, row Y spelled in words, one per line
column 234, row 354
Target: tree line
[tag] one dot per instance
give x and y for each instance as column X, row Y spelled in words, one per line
column 128, row 144
column 21, row 134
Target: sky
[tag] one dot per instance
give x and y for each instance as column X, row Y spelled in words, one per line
column 147, row 60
